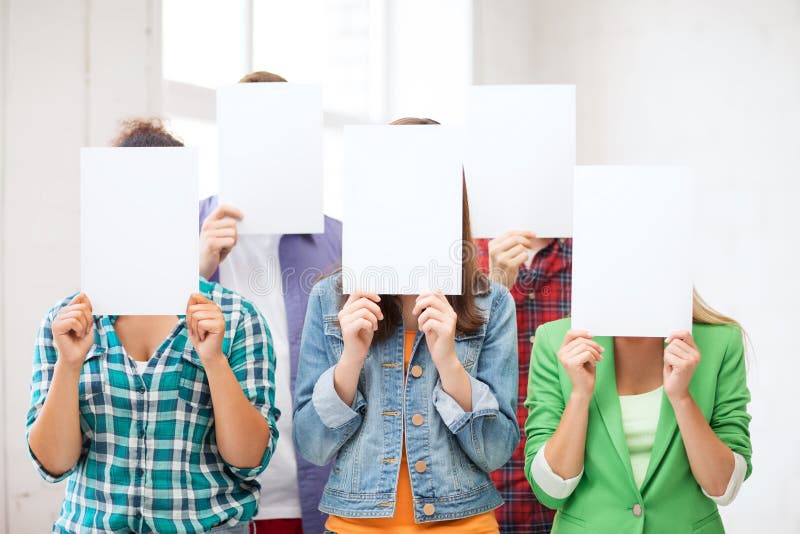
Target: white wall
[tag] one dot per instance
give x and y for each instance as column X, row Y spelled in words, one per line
column 73, row 70
column 3, row 41
column 716, row 85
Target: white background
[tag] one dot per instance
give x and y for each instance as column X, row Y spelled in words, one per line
column 712, row 84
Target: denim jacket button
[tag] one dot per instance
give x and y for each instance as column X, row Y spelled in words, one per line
column 428, row 509
column 420, row 466
column 416, row 371
column 417, row 420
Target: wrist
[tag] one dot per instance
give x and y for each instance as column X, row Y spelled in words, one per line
column 350, row 363
column 213, row 360
column 680, row 401
column 449, row 367
column 208, row 265
column 67, row 369
column 580, row 399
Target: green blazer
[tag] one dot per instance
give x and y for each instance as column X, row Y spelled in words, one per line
column 670, row 500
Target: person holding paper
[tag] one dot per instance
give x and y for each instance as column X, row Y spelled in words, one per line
column 638, row 434
column 159, row 423
column 412, row 398
column 276, row 273
column 538, row 273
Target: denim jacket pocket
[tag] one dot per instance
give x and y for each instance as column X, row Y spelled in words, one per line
column 333, row 334
column 468, row 347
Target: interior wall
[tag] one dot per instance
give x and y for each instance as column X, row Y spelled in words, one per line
column 3, row 37
column 73, row 70
column 715, row 85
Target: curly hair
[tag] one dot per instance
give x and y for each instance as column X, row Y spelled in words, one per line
column 145, row 133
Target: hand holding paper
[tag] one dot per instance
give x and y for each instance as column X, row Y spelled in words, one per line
column 218, row 236
column 681, row 357
column 206, row 326
column 358, row 320
column 73, row 331
column 507, row 253
column 437, row 320
column 579, row 356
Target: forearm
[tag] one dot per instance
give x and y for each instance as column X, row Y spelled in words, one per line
column 242, row 432
column 566, row 447
column 711, row 461
column 345, row 378
column 55, row 438
column 455, row 382
column 208, row 264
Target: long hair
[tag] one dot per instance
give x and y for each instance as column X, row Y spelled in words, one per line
column 473, row 282
column 702, row 313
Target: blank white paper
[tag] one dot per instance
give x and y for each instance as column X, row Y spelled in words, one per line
column 270, row 156
column 402, row 209
column 139, row 235
column 520, row 158
column 632, row 246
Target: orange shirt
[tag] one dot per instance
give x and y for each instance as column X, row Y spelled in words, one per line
column 403, row 520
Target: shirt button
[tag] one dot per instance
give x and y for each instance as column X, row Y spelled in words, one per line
column 142, row 389
column 428, row 509
column 420, row 466
column 417, row 419
column 531, row 296
column 416, row 371
column 139, row 471
column 533, row 338
column 562, row 240
column 637, row 509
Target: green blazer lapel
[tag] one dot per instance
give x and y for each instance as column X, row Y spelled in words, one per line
column 606, row 400
column 665, row 431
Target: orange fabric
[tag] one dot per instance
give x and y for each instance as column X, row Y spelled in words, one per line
column 403, row 520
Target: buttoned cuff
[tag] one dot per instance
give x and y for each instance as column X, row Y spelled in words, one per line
column 552, row 484
column 737, row 477
column 330, row 408
column 484, row 404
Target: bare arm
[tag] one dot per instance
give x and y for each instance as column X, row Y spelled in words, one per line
column 55, row 438
column 710, row 459
column 242, row 432
column 565, row 449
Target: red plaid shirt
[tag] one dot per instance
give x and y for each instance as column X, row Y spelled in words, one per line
column 542, row 293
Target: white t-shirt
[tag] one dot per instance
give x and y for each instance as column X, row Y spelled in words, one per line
column 252, row 269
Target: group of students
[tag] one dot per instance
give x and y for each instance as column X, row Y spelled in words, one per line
column 396, row 413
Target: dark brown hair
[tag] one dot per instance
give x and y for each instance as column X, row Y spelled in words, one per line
column 262, row 76
column 473, row 282
column 145, row 133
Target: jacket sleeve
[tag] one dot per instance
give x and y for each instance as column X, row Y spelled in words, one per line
column 730, row 420
column 489, row 433
column 322, row 421
column 545, row 404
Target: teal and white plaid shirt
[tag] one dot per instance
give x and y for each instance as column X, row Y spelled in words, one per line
column 150, row 461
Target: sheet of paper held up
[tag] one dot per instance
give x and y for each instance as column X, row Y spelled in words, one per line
column 520, row 157
column 139, row 236
column 631, row 266
column 270, row 156
column 402, row 209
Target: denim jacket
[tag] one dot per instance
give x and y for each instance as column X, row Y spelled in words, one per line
column 364, row 440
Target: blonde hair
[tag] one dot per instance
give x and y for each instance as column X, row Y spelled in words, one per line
column 704, row 314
